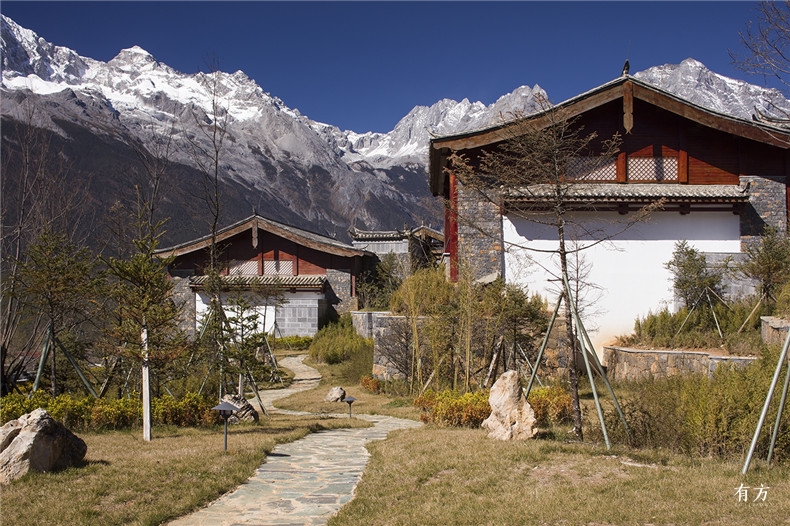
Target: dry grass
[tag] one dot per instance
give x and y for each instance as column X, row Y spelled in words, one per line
column 424, row 476
column 366, row 402
column 125, row 480
column 457, row 476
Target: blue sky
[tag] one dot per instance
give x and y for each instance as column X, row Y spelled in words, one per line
column 364, row 65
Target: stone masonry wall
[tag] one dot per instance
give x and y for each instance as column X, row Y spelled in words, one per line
column 385, row 328
column 634, row 364
column 340, row 281
column 301, row 317
column 364, row 321
column 767, row 206
column 480, row 234
column 774, row 330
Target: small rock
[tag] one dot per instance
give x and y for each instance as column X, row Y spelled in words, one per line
column 245, row 411
column 336, row 394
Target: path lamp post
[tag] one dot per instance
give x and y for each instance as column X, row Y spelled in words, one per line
column 225, row 410
column 349, row 400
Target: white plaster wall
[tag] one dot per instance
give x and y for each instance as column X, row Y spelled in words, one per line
column 265, row 313
column 629, row 269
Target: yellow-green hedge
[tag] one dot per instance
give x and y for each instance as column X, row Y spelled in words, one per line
column 90, row 413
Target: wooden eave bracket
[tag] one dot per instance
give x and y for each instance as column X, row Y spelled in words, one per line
column 628, row 106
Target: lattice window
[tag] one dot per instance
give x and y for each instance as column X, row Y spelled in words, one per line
column 653, row 169
column 243, row 268
column 278, row 267
column 591, row 169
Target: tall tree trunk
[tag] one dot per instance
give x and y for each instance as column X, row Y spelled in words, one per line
column 572, row 345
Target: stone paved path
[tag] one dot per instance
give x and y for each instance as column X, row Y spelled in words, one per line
column 304, row 482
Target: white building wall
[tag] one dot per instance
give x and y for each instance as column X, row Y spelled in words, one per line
column 265, row 313
column 629, row 270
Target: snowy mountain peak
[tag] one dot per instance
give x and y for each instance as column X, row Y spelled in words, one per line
column 692, row 81
column 133, row 55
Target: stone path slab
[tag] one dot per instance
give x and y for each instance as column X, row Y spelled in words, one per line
column 303, row 482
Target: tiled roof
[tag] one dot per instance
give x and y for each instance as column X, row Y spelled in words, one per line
column 393, row 235
column 647, row 192
column 378, row 235
column 241, row 281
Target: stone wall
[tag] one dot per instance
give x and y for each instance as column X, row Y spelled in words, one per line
column 767, row 206
column 392, row 336
column 479, row 234
column 636, row 364
column 301, row 316
column 386, row 331
column 184, row 295
column 774, row 330
column 364, row 321
column 340, row 282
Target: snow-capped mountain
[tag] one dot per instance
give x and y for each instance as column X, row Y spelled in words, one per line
column 274, row 160
column 692, row 81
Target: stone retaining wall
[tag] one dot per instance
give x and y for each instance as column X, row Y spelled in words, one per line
column 364, row 321
column 637, row 364
column 774, row 330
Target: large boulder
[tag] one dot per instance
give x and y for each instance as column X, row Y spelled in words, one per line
column 511, row 417
column 245, row 411
column 336, row 394
column 37, row 442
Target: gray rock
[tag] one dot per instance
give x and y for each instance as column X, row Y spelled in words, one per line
column 336, row 394
column 245, row 411
column 37, row 442
column 512, row 418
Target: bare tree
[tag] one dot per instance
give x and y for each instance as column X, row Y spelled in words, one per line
column 206, row 149
column 37, row 197
column 767, row 42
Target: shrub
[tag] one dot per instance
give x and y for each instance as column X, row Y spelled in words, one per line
column 663, row 329
column 449, row 409
column 339, row 343
column 297, row 343
column 703, row 416
column 90, row 413
column 552, row 405
column 691, row 276
column 371, row 383
column 116, row 414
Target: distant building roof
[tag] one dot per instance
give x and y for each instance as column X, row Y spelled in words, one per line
column 394, row 235
column 292, row 233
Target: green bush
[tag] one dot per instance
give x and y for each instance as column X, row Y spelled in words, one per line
column 297, row 343
column 698, row 330
column 339, row 342
column 552, row 405
column 450, row 409
column 120, row 413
